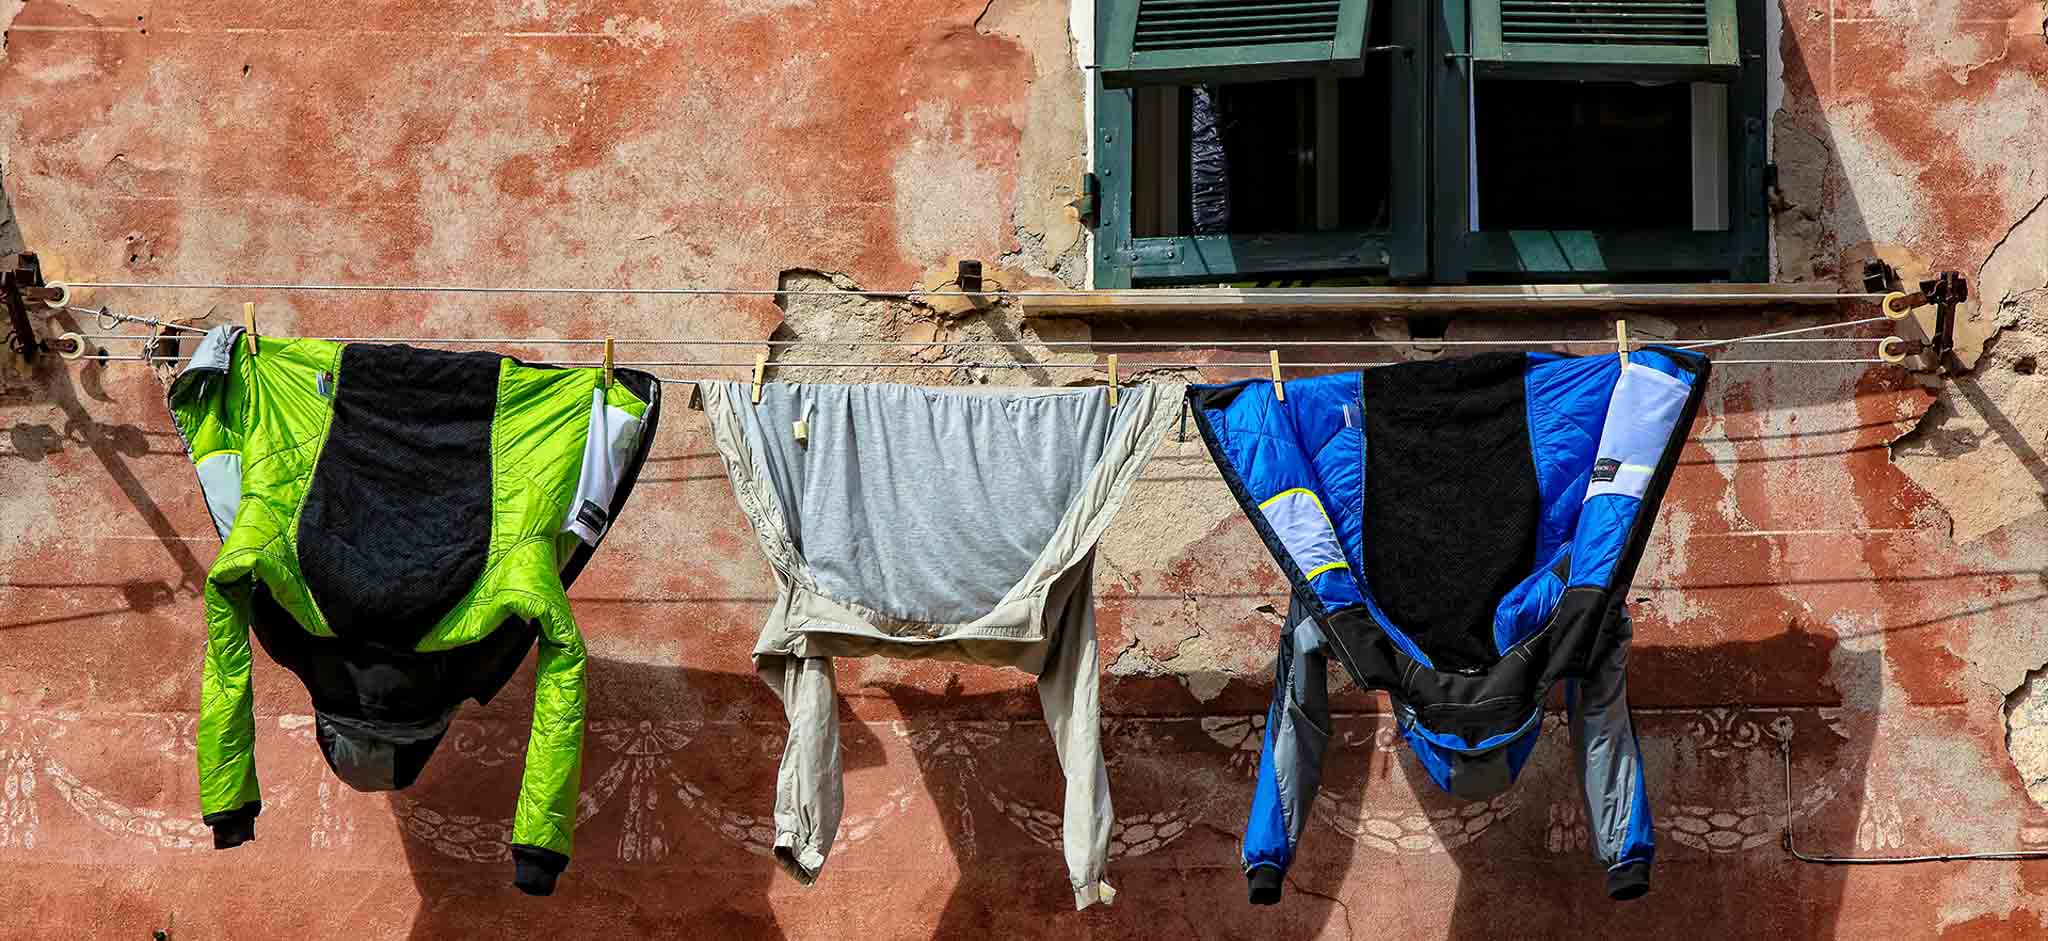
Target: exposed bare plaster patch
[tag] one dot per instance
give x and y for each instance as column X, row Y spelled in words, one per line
column 1052, row 152
column 2026, row 732
column 1882, row 199
column 1982, row 447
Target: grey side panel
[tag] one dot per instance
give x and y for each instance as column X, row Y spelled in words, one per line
column 1302, row 741
column 220, row 481
column 1610, row 763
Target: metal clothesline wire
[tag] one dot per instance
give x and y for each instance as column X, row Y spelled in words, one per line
column 1777, row 336
column 1265, row 293
column 785, row 364
column 916, row 344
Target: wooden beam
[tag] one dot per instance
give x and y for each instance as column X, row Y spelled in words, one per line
column 1535, row 300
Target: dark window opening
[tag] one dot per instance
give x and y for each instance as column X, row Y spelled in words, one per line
column 1249, row 158
column 1584, row 155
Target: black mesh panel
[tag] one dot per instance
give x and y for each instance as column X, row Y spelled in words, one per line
column 396, row 525
column 1451, row 502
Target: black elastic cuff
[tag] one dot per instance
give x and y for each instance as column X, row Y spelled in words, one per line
column 1628, row 881
column 1265, row 884
column 534, row 869
column 232, row 828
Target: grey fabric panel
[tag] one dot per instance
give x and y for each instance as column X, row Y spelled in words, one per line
column 220, row 476
column 1302, row 741
column 214, row 351
column 220, row 481
column 923, row 504
column 1605, row 739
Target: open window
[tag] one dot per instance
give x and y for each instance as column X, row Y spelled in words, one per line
column 1256, row 141
column 1447, row 141
column 1599, row 140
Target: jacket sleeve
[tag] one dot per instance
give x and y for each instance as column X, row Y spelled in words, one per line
column 1070, row 693
column 1611, row 765
column 1291, row 759
column 544, row 825
column 228, row 794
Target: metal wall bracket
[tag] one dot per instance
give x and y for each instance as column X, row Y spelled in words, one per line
column 21, row 281
column 1945, row 291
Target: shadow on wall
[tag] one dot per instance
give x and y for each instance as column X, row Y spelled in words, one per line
column 673, row 818
column 1717, row 793
column 1817, row 212
column 10, row 230
column 674, row 822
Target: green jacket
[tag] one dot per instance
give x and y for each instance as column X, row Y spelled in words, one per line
column 399, row 526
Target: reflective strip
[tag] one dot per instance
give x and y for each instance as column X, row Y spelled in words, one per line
column 220, row 481
column 1644, row 409
column 1311, row 574
column 1304, row 529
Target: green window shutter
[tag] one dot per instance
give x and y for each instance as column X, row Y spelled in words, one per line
column 1182, row 42
column 1623, row 39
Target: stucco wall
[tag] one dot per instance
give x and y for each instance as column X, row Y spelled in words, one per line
column 1851, row 558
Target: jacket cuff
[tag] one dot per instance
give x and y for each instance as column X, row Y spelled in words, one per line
column 534, row 869
column 1265, row 880
column 232, row 828
column 1630, row 880
column 1095, row 891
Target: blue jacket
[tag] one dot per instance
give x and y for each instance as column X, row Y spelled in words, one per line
column 1461, row 534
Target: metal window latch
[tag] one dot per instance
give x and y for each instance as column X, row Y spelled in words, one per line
column 1087, row 199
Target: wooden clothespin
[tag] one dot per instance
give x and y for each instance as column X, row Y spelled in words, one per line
column 1279, row 388
column 1621, row 341
column 760, row 374
column 607, row 380
column 249, row 325
column 1112, row 380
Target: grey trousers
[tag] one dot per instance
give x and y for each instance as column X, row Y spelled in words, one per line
column 954, row 524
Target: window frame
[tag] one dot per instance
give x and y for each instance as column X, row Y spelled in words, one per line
column 1429, row 239
column 1740, row 252
column 1399, row 251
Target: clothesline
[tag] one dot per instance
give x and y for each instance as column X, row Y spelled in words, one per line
column 103, row 315
column 871, row 364
column 1264, row 293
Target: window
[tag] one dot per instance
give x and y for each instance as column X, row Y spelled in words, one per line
column 1240, row 140
column 1452, row 141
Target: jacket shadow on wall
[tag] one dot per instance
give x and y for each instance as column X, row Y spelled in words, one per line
column 678, row 781
column 1180, row 785
column 118, row 449
column 1717, row 796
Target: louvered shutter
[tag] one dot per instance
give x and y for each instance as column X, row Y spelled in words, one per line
column 1183, row 42
column 1645, row 39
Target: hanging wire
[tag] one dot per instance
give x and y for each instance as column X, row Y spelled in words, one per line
column 920, row 344
column 1200, row 292
column 1785, row 839
column 103, row 315
column 870, row 364
column 1783, row 333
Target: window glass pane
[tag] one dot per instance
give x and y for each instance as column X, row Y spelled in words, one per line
column 1264, row 157
column 1584, row 155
